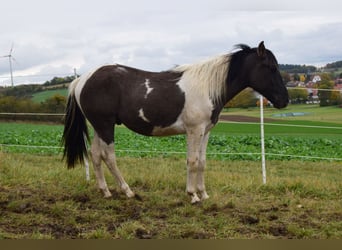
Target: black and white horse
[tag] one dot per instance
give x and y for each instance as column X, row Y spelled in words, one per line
column 184, row 100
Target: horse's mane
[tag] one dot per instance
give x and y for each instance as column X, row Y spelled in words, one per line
column 207, row 76
column 210, row 76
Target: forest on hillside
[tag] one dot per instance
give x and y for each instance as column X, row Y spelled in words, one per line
column 310, row 69
column 296, row 69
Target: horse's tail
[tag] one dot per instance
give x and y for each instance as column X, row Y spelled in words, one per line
column 75, row 134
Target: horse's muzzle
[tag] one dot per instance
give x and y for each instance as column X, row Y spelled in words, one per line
column 280, row 103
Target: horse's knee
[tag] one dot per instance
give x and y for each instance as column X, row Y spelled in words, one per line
column 192, row 164
column 201, row 165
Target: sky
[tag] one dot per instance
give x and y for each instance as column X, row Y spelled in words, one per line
column 52, row 38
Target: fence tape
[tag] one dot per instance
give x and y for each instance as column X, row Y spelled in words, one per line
column 232, row 122
column 184, row 153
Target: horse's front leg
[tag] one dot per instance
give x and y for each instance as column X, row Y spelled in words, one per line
column 194, row 139
column 201, row 168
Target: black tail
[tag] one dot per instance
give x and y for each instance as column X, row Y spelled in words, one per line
column 75, row 133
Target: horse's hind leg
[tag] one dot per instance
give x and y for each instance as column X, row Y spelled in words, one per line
column 100, row 150
column 110, row 160
column 96, row 155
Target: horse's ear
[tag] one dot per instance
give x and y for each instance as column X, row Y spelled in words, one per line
column 261, row 49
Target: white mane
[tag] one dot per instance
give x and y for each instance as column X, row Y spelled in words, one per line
column 207, row 77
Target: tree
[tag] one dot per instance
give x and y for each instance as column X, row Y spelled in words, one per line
column 324, row 94
column 12, row 104
column 59, row 80
column 55, row 104
column 298, row 95
column 302, row 78
column 286, row 76
column 296, row 77
column 264, row 102
column 336, row 97
column 244, row 99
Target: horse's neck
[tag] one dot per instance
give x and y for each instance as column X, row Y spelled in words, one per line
column 232, row 90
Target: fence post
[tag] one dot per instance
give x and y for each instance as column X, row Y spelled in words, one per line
column 262, row 138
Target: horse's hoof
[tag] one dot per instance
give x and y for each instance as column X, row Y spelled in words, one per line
column 130, row 194
column 194, row 198
column 106, row 193
column 204, row 196
column 108, row 196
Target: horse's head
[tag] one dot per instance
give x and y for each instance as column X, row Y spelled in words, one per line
column 259, row 70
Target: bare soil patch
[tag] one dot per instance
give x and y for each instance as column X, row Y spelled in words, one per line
column 243, row 118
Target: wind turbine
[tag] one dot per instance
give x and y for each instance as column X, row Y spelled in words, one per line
column 10, row 58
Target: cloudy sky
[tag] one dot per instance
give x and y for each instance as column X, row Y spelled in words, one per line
column 53, row 37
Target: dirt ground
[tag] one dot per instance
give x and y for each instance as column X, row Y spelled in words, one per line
column 242, row 118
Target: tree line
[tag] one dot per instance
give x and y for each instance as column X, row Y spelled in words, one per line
column 19, row 108
column 296, row 69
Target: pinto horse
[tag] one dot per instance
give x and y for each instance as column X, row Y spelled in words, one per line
column 184, row 100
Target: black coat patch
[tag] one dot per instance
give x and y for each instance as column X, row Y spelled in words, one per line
column 118, row 94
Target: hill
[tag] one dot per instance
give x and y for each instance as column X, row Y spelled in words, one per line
column 46, row 94
column 58, row 84
column 334, row 65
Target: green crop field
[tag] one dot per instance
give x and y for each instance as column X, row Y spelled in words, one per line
column 41, row 199
column 228, row 141
column 313, row 113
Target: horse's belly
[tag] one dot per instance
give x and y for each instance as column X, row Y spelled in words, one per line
column 150, row 129
column 174, row 129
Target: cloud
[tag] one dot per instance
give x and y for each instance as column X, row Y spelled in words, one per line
column 155, row 35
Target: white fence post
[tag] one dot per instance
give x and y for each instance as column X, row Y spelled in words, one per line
column 262, row 138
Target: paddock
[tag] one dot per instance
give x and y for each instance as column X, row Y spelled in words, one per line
column 41, row 199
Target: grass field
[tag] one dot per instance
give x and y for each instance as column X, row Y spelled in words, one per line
column 43, row 95
column 313, row 113
column 41, row 199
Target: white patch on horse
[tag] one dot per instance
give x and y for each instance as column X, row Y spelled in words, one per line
column 149, row 89
column 77, row 85
column 174, row 129
column 142, row 115
column 121, row 69
column 195, row 109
